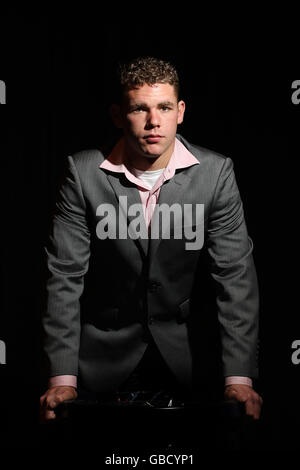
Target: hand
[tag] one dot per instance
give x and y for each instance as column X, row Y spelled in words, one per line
column 53, row 397
column 245, row 394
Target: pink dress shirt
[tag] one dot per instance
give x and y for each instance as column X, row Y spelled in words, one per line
column 180, row 158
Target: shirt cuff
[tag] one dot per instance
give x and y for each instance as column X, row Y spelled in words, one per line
column 233, row 380
column 63, row 380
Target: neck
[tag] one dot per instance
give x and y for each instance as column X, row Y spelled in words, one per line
column 145, row 163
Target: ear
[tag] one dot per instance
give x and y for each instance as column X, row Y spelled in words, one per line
column 181, row 109
column 115, row 112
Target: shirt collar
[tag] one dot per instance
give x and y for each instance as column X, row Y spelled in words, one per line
column 180, row 158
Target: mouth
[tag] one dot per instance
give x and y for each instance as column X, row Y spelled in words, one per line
column 152, row 139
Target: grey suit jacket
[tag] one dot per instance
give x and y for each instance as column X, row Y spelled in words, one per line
column 106, row 298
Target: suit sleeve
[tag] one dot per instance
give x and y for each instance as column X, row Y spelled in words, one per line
column 232, row 267
column 67, row 254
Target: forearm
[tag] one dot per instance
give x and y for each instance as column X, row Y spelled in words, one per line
column 238, row 307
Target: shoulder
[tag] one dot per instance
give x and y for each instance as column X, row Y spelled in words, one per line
column 88, row 157
column 206, row 157
column 86, row 162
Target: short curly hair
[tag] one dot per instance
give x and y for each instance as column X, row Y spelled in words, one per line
column 147, row 70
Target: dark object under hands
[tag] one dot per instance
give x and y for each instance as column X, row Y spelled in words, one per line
column 156, row 420
column 159, row 400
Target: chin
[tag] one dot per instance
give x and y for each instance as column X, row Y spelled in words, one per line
column 153, row 152
column 145, row 152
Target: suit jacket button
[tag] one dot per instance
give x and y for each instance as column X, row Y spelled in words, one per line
column 151, row 320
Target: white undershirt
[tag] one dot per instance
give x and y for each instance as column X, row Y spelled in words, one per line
column 149, row 177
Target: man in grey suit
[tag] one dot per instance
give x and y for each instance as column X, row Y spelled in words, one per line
column 133, row 231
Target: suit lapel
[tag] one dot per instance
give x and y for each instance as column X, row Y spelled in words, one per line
column 171, row 193
column 122, row 187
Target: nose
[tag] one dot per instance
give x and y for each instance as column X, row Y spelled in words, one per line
column 153, row 119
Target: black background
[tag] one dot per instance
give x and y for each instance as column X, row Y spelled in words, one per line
column 237, row 89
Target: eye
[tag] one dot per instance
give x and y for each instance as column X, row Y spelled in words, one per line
column 140, row 109
column 165, row 108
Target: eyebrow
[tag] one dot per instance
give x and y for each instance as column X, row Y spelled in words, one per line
column 145, row 105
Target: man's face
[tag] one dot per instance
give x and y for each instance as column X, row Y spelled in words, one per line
column 149, row 117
